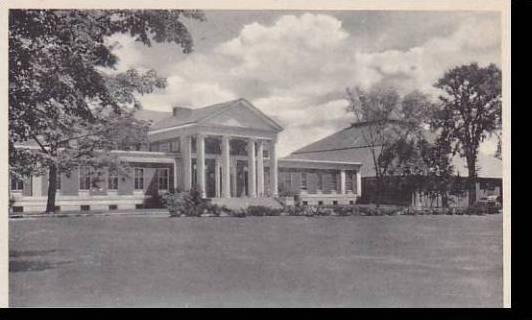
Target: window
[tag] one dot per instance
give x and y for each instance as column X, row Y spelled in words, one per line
column 334, row 181
column 84, row 178
column 85, row 208
column 154, row 147
column 113, row 207
column 287, row 180
column 265, row 154
column 320, row 181
column 164, row 147
column 18, row 209
column 16, row 184
column 139, row 206
column 175, row 146
column 112, row 179
column 162, row 177
column 139, row 178
column 303, row 180
column 320, row 203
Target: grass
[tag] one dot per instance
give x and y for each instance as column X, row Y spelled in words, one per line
column 401, row 261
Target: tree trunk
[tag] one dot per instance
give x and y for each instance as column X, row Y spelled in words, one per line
column 444, row 200
column 379, row 191
column 52, row 189
column 472, row 178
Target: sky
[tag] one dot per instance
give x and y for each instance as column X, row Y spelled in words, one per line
column 295, row 66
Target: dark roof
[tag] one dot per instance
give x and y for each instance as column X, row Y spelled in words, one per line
column 349, row 145
column 348, row 138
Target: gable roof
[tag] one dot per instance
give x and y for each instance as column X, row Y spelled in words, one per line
column 201, row 115
column 349, row 145
column 349, row 138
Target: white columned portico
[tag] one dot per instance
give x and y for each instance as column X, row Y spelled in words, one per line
column 342, row 182
column 226, row 168
column 217, row 190
column 252, row 169
column 200, row 161
column 187, row 162
column 260, row 168
column 359, row 183
column 273, row 169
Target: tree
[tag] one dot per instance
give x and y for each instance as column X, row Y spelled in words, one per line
column 64, row 95
column 390, row 124
column 469, row 112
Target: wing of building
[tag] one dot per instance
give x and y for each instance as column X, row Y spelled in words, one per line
column 348, row 145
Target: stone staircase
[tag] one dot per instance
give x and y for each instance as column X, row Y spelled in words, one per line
column 242, row 203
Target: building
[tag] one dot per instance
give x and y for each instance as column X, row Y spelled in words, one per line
column 348, row 145
column 227, row 150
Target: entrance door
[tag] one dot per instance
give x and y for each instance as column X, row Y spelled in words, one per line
column 210, row 183
column 241, row 178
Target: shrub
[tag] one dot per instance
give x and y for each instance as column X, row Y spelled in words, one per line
column 214, row 209
column 241, row 213
column 261, row 211
column 175, row 203
column 189, row 203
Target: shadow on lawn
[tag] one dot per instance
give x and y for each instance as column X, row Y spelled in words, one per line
column 29, row 253
column 24, row 265
column 34, row 265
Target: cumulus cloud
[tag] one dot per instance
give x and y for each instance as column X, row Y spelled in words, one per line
column 297, row 68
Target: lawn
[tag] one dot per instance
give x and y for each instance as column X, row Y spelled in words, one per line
column 391, row 261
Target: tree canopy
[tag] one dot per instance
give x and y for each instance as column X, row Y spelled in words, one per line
column 470, row 110
column 64, row 94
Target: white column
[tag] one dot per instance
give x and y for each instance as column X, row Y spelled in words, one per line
column 226, row 168
column 200, row 163
column 273, row 168
column 187, row 162
column 252, row 169
column 359, row 183
column 217, row 178
column 342, row 182
column 175, row 174
column 260, row 168
column 36, row 186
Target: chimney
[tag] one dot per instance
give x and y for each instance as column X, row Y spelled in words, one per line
column 180, row 110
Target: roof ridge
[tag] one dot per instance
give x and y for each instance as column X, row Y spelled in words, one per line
column 320, row 140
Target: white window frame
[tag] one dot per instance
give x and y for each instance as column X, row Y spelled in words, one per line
column 112, row 174
column 85, row 177
column 18, row 183
column 167, row 177
column 166, row 147
column 136, row 180
column 303, row 186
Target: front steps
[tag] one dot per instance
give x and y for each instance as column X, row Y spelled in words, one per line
column 244, row 202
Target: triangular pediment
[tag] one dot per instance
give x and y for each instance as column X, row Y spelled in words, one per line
column 242, row 115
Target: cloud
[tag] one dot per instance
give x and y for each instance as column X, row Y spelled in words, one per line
column 297, row 68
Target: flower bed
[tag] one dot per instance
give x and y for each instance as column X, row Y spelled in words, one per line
column 191, row 204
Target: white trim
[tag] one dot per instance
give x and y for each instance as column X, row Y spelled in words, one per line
column 321, row 161
column 172, row 128
column 148, row 160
